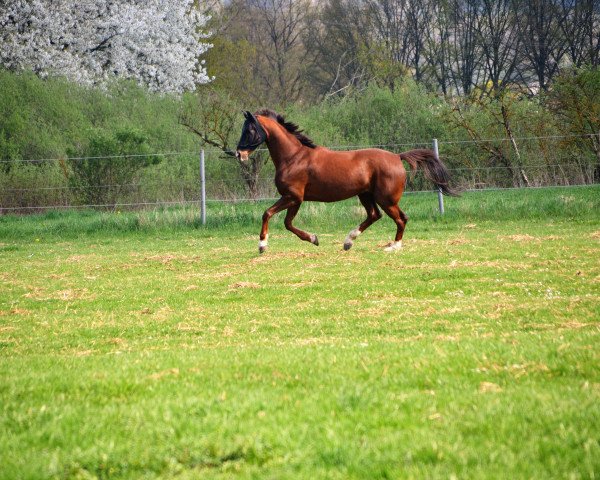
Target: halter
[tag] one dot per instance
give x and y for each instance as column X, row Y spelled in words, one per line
column 260, row 133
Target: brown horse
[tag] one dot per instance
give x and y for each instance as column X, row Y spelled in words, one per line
column 306, row 172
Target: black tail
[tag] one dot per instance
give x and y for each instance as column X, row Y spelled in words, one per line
column 434, row 169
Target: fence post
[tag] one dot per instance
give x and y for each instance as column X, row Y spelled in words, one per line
column 202, row 188
column 440, row 196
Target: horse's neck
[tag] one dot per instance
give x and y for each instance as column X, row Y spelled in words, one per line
column 282, row 145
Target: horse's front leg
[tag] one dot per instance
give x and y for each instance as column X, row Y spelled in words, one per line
column 278, row 206
column 307, row 237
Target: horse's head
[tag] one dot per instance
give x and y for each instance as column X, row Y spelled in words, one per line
column 253, row 134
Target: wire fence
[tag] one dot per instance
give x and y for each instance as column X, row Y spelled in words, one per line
column 148, row 180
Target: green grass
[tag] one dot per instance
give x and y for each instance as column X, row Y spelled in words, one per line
column 575, row 203
column 140, row 345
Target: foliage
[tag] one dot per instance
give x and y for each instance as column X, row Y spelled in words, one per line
column 40, row 119
column 215, row 118
column 377, row 115
column 575, row 98
column 53, row 118
column 153, row 42
column 227, row 61
column 47, row 118
column 501, row 121
column 108, row 164
column 262, row 52
column 380, row 68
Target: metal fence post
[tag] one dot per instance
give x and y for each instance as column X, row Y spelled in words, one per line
column 202, row 188
column 440, row 196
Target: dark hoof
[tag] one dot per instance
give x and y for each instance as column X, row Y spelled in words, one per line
column 314, row 240
column 347, row 246
column 262, row 249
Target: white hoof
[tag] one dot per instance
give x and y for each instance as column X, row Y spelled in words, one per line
column 262, row 244
column 394, row 246
column 352, row 235
column 349, row 241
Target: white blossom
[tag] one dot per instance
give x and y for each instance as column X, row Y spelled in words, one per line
column 155, row 42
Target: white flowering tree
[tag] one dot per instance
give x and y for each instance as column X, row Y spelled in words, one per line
column 155, row 42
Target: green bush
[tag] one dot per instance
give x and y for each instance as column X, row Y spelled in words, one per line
column 48, row 118
column 575, row 99
column 404, row 116
column 53, row 119
column 109, row 164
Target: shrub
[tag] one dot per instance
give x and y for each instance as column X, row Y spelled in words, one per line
column 107, row 167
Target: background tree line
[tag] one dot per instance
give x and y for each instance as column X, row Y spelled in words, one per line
column 282, row 52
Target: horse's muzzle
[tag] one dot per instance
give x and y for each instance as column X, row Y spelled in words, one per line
column 242, row 155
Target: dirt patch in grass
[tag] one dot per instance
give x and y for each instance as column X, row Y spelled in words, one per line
column 489, row 387
column 35, row 293
column 276, row 256
column 171, row 372
column 574, row 325
column 14, row 311
column 314, row 341
column 418, row 241
column 500, row 265
column 204, row 275
column 237, row 285
column 517, row 370
column 458, row 241
column 168, row 258
column 74, row 294
column 519, row 238
column 41, row 294
column 83, row 353
column 164, row 259
column 189, row 327
column 81, row 258
column 301, row 284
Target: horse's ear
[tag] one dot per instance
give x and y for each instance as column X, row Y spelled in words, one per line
column 246, row 113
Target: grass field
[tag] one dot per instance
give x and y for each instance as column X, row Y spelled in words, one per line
column 141, row 345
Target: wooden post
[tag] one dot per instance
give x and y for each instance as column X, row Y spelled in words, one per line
column 440, row 196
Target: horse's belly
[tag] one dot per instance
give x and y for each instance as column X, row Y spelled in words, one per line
column 334, row 191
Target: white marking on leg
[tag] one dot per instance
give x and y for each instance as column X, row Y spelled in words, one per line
column 313, row 239
column 351, row 236
column 394, row 246
column 263, row 243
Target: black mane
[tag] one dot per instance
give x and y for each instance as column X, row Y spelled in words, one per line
column 289, row 126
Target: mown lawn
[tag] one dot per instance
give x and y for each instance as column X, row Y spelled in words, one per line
column 140, row 345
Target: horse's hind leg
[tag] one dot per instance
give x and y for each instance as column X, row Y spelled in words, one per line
column 400, row 218
column 307, row 237
column 373, row 214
